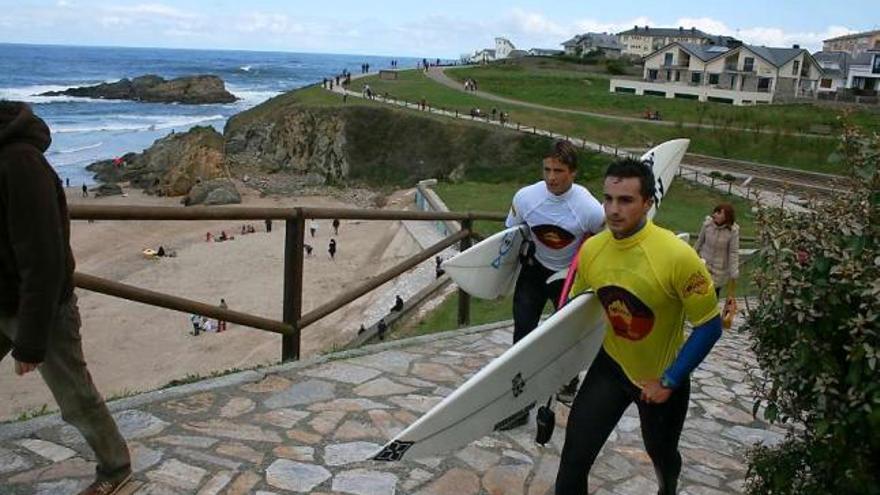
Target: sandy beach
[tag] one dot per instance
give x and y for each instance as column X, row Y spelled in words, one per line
column 133, row 347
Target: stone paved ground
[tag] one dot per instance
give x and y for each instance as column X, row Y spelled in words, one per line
column 307, row 427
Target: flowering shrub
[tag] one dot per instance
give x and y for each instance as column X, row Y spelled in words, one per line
column 815, row 334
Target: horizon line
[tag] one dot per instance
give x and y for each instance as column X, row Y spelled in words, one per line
column 218, row 50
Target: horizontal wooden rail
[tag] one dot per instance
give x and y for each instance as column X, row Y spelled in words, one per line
column 111, row 288
column 101, row 212
column 349, row 296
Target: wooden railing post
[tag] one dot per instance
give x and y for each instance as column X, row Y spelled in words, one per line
column 464, row 299
column 294, row 237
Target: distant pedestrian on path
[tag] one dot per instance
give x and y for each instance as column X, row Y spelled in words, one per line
column 313, row 227
column 438, row 271
column 268, row 225
column 85, row 191
column 332, row 249
column 335, row 226
column 381, row 327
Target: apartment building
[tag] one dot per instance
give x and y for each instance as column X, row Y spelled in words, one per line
column 741, row 75
column 854, row 44
column 643, row 41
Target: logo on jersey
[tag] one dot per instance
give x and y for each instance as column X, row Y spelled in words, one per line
column 553, row 236
column 630, row 318
column 696, row 284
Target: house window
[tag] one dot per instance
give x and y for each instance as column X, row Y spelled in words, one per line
column 764, row 84
column 825, row 83
column 749, row 64
column 795, row 67
column 669, row 75
column 677, row 75
column 696, row 77
column 713, row 78
column 667, row 59
column 652, row 74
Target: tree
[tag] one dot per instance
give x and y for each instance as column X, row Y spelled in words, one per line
column 816, row 337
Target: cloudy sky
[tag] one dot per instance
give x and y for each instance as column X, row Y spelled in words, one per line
column 446, row 28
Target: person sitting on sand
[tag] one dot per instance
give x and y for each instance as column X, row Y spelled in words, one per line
column 223, row 236
column 209, row 237
column 161, row 251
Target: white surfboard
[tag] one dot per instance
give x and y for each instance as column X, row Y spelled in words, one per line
column 488, row 269
column 530, row 371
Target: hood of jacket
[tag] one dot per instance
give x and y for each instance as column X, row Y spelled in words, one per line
column 18, row 124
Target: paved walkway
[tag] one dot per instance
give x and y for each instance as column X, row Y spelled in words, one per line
column 308, row 426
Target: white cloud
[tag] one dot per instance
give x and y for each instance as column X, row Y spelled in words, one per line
column 151, row 10
column 533, row 23
column 62, row 3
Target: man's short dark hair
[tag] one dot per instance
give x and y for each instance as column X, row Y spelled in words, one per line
column 565, row 152
column 630, row 167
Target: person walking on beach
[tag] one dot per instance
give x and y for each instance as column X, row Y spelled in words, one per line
column 335, row 226
column 39, row 316
column 268, row 225
column 196, row 322
column 221, row 324
column 85, row 191
column 649, row 283
column 313, row 227
column 332, row 249
column 559, row 215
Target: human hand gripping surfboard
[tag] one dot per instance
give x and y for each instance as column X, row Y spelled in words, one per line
column 534, row 368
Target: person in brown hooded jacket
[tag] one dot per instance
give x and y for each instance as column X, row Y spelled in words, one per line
column 39, row 317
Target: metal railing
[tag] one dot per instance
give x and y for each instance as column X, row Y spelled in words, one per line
column 293, row 321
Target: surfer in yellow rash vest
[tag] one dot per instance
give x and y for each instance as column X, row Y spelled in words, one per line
column 559, row 215
column 648, row 281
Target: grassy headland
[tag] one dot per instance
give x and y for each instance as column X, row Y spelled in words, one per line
column 778, row 147
column 568, row 86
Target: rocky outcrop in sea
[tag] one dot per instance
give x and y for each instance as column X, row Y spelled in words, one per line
column 151, row 88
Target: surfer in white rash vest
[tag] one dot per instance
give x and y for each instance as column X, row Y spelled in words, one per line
column 560, row 215
column 648, row 282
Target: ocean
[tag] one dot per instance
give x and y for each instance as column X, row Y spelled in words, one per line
column 85, row 130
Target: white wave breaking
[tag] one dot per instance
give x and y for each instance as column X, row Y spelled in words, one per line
column 144, row 123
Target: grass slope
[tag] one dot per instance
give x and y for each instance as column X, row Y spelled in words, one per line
column 778, row 147
column 568, row 87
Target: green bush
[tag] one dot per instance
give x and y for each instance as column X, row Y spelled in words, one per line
column 615, row 67
column 815, row 334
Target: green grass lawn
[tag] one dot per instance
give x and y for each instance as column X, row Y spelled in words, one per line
column 579, row 90
column 777, row 148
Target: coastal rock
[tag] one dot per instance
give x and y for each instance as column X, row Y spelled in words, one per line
column 213, row 192
column 110, row 189
column 194, row 90
column 171, row 166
